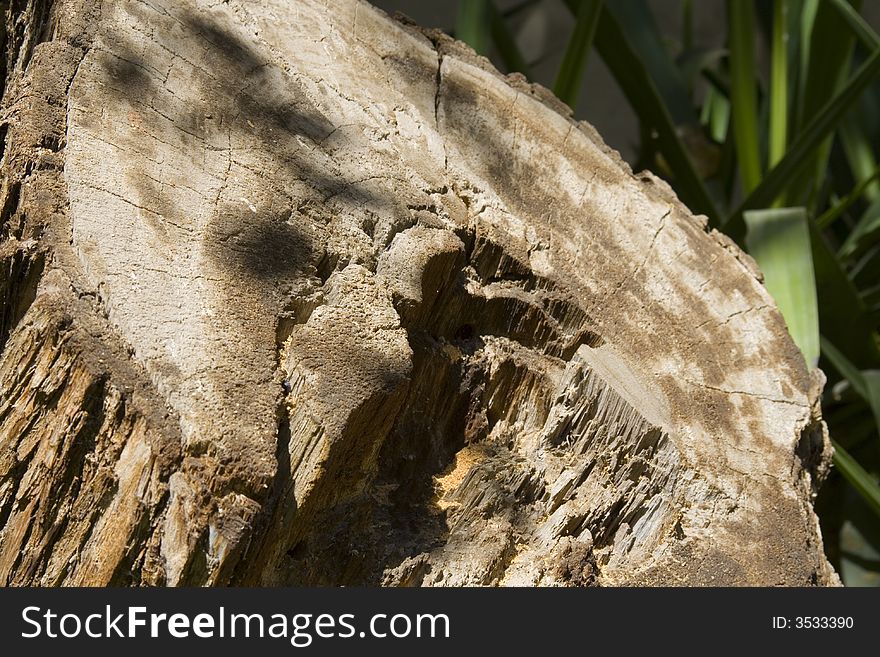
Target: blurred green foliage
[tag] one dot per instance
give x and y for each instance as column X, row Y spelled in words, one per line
column 780, row 152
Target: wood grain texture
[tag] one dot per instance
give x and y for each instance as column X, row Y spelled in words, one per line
column 507, row 359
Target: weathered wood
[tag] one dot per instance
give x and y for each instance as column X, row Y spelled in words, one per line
column 295, row 293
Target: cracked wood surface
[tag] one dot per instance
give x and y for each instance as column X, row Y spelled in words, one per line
column 507, row 359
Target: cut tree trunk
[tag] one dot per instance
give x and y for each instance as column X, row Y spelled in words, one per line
column 297, row 293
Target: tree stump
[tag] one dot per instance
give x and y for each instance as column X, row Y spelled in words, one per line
column 294, row 293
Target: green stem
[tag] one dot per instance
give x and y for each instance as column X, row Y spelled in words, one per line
column 568, row 80
column 778, row 84
column 472, row 24
column 744, row 101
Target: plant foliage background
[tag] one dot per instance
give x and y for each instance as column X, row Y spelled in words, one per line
column 767, row 123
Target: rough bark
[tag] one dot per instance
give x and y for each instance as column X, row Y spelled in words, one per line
column 296, row 293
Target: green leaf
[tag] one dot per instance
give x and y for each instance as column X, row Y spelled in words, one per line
column 859, row 554
column 860, row 154
column 843, row 318
column 831, row 215
column 869, row 225
column 827, row 46
column 571, row 71
column 779, row 240
column 858, row 148
column 687, row 24
column 856, row 23
column 845, row 368
column 644, row 37
column 807, row 21
column 872, row 382
column 801, row 152
column 716, row 114
column 778, row 137
column 505, row 43
column 631, row 74
column 472, row 24
column 858, row 477
column 701, row 61
column 741, row 21
column 866, row 384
